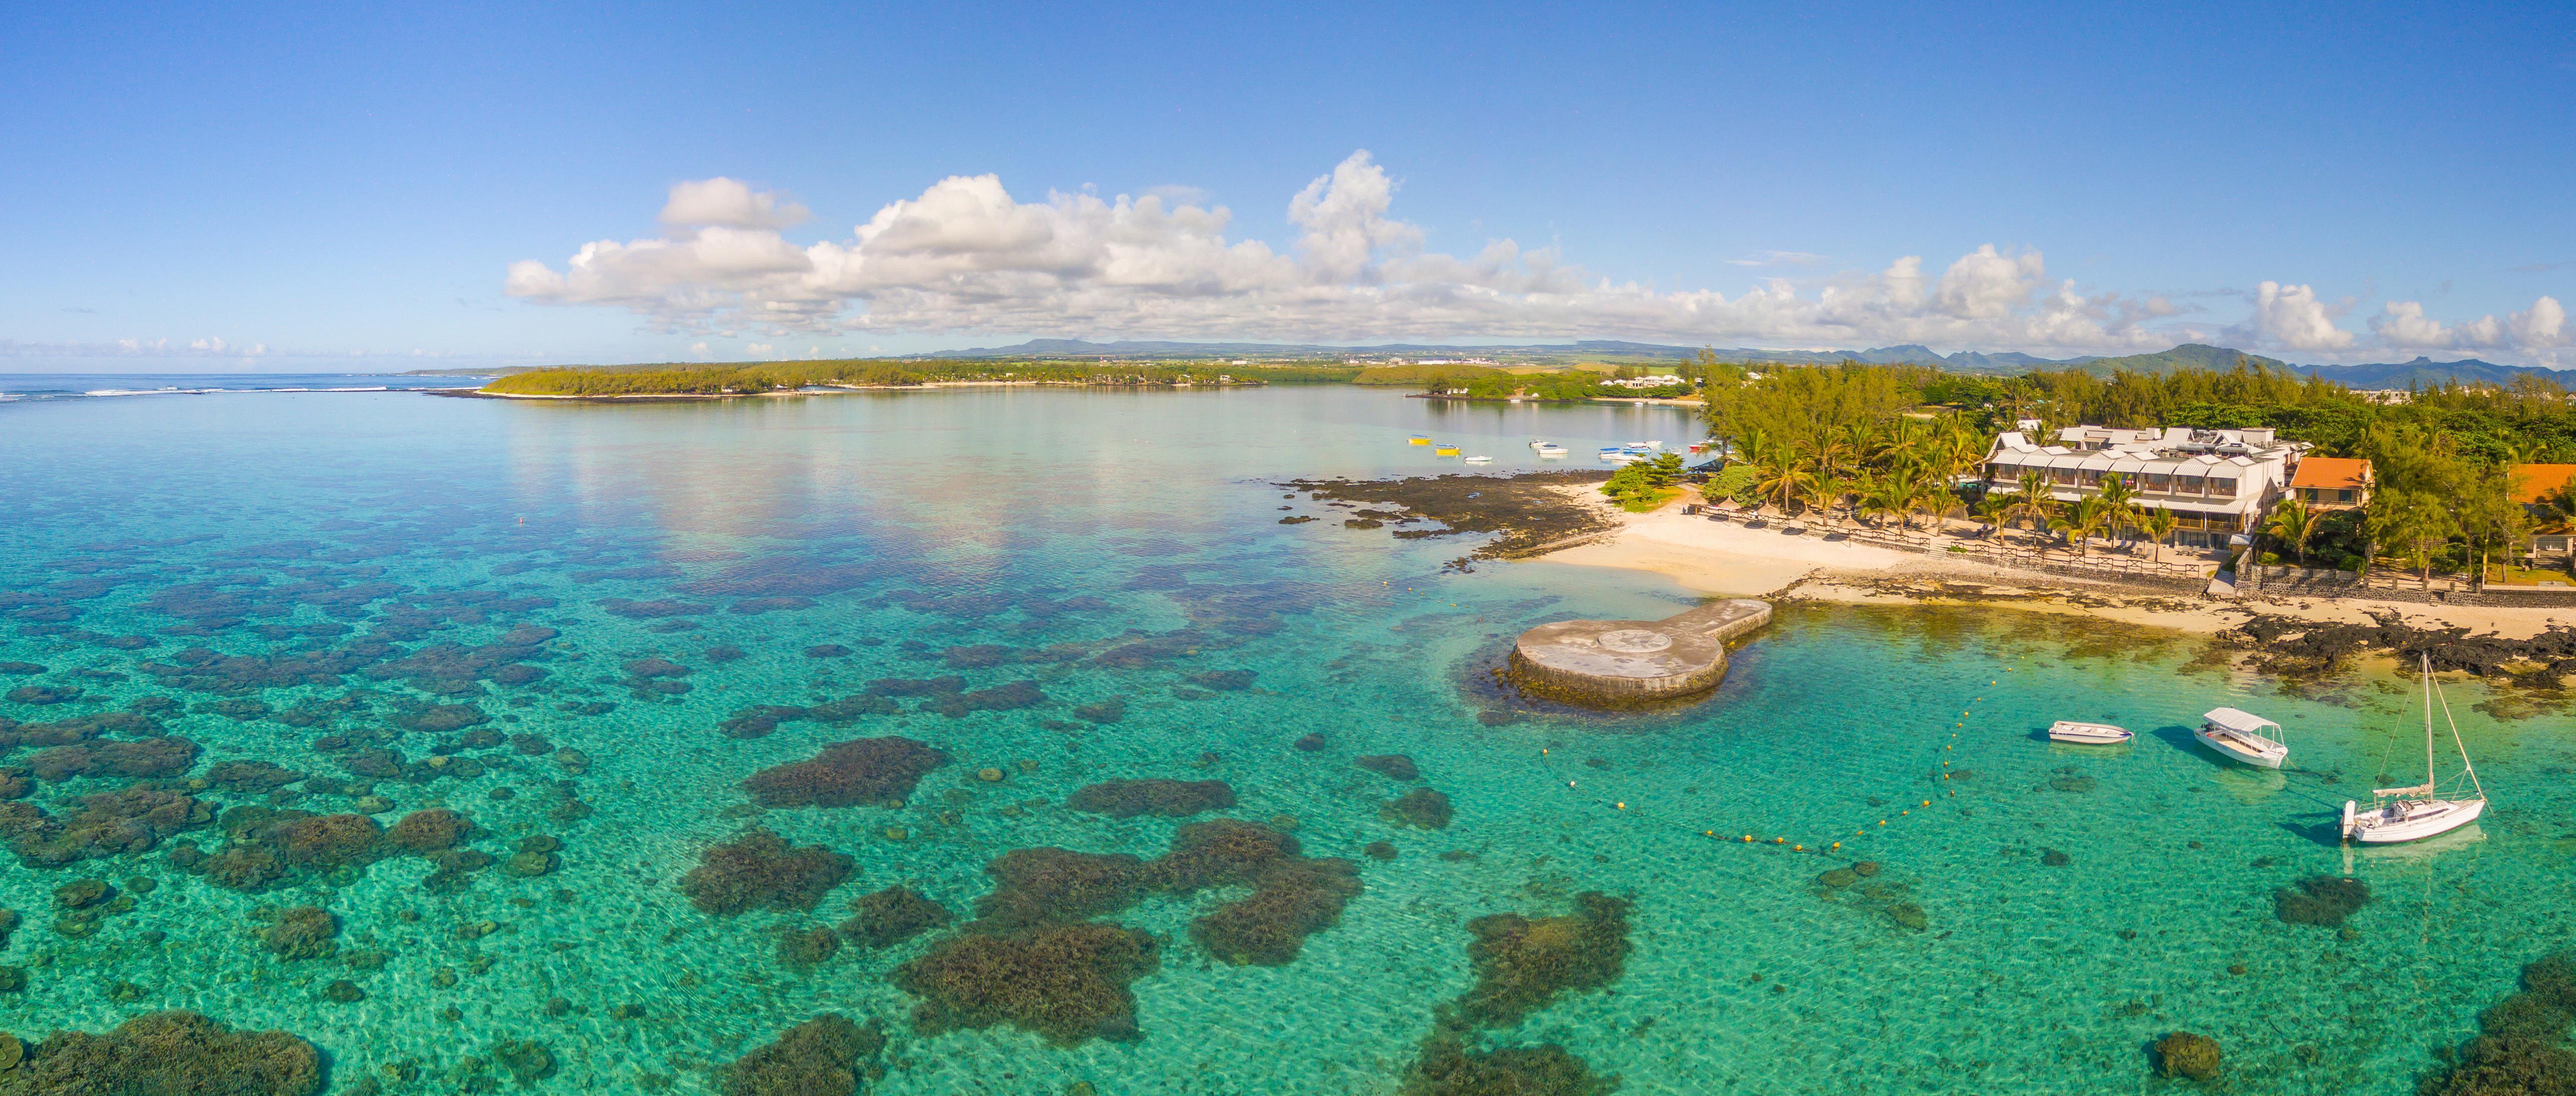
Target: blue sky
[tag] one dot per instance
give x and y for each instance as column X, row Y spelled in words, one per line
column 305, row 183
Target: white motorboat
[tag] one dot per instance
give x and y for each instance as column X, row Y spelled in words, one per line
column 2086, row 734
column 2420, row 811
column 1480, row 460
column 1546, row 451
column 1536, row 443
column 2243, row 736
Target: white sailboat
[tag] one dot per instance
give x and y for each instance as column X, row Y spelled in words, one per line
column 2244, row 736
column 2417, row 812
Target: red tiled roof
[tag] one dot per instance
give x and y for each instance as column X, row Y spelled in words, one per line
column 2332, row 472
column 2533, row 481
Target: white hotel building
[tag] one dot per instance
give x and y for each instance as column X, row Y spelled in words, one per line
column 2218, row 483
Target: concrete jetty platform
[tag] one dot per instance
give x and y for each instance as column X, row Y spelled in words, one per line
column 1621, row 663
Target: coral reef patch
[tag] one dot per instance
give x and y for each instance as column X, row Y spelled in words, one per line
column 168, row 1054
column 761, row 870
column 1161, row 798
column 825, row 1056
column 1067, row 983
column 844, row 774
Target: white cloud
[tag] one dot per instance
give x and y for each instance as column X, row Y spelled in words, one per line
column 1779, row 258
column 965, row 256
column 2537, row 331
column 2292, row 318
column 758, row 350
column 729, row 203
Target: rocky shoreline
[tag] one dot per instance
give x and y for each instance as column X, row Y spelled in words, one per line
column 1533, row 512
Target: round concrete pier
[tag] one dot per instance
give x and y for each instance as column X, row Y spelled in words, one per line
column 1620, row 663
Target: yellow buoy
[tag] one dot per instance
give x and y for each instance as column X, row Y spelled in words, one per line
column 1927, row 802
column 1748, row 839
column 1621, row 806
column 1838, row 844
column 1708, row 833
column 1779, row 840
column 1882, row 821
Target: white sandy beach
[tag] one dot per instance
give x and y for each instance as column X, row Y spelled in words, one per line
column 1726, row 559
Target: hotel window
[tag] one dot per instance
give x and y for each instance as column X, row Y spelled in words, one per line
column 2222, row 487
column 2159, row 481
column 2343, row 494
column 2187, row 483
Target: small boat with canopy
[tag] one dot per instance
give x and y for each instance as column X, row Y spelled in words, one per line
column 2243, row 736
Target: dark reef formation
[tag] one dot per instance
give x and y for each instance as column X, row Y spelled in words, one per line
column 2522, row 1047
column 1291, row 900
column 1390, row 766
column 1161, row 798
column 799, row 950
column 436, row 829
column 761, row 870
column 304, row 932
column 1067, row 983
column 1447, row 1068
column 1522, row 964
column 1529, row 510
column 862, row 770
column 2294, row 646
column 144, row 759
column 107, row 824
column 2320, row 900
column 825, row 1056
column 174, row 1053
column 892, row 916
column 2183, row 1054
column 1043, row 886
column 1033, row 957
column 1422, row 808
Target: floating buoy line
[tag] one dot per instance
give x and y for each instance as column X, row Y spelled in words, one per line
column 1830, row 846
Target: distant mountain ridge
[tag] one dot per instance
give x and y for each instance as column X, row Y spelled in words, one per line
column 2421, row 371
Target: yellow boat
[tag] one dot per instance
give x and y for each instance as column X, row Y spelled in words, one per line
column 1445, row 451
column 1417, row 440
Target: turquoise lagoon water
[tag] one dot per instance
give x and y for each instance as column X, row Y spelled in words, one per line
column 262, row 524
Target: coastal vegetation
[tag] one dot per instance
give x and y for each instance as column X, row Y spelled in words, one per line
column 1646, row 484
column 1847, row 438
column 1888, row 443
column 725, row 380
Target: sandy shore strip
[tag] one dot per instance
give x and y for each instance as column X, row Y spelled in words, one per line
column 1728, row 560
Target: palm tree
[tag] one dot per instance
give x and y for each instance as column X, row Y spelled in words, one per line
column 2119, row 501
column 1781, row 479
column 1884, row 496
column 2158, row 524
column 2033, row 503
column 1934, row 498
column 1989, row 511
column 2293, row 523
column 2080, row 523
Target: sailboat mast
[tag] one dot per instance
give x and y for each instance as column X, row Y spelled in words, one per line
column 2431, row 779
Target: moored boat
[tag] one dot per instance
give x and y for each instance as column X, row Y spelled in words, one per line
column 2087, row 734
column 1444, row 449
column 2420, row 811
column 1546, row 451
column 1480, row 460
column 2242, row 736
column 1417, row 439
